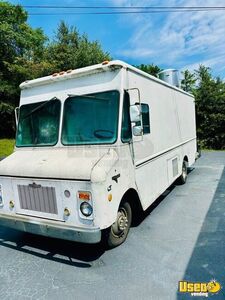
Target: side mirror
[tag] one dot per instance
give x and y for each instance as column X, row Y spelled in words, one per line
column 135, row 117
column 137, row 130
column 135, row 113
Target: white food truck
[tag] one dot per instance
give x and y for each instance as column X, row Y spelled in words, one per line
column 93, row 147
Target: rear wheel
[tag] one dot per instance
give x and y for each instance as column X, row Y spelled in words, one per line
column 183, row 177
column 118, row 232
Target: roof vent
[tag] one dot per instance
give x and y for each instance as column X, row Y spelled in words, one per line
column 170, row 76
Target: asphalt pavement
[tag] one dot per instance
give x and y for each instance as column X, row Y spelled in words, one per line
column 181, row 237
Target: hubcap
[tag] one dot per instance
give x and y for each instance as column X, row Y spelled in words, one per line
column 121, row 223
column 184, row 171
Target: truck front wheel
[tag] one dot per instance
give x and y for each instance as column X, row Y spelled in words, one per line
column 117, row 233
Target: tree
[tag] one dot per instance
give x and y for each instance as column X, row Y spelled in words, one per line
column 150, row 69
column 21, row 58
column 25, row 54
column 70, row 50
column 210, row 109
column 20, row 48
column 7, row 122
column 188, row 82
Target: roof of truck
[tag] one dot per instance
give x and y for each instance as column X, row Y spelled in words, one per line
column 104, row 66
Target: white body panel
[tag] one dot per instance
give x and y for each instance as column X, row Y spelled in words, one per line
column 173, row 135
column 58, row 163
column 147, row 165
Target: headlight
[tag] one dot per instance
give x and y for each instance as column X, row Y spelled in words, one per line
column 1, row 200
column 85, row 205
column 86, row 209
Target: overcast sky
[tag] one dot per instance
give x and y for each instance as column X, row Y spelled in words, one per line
column 171, row 40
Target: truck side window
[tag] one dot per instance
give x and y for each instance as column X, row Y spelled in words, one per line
column 126, row 133
column 145, row 118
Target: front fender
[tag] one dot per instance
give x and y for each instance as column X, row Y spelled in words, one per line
column 103, row 166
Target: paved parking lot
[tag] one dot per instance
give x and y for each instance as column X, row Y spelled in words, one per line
column 181, row 237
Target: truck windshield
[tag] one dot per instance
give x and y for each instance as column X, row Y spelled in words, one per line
column 91, row 119
column 39, row 124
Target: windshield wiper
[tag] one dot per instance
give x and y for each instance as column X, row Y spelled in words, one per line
column 86, row 96
column 39, row 107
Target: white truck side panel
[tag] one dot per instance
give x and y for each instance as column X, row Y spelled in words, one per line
column 185, row 108
column 172, row 136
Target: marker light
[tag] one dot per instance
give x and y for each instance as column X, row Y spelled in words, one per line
column 105, row 62
column 11, row 204
column 86, row 209
column 84, row 196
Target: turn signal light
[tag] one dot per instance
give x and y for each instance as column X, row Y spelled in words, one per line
column 11, row 204
column 84, row 196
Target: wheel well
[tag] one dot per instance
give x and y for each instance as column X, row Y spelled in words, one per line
column 132, row 197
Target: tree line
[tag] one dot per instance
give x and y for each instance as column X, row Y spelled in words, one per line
column 26, row 53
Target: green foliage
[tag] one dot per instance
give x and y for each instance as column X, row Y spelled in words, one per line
column 210, row 109
column 25, row 53
column 209, row 95
column 150, row 69
column 12, row 31
column 70, row 50
column 6, row 147
column 18, row 41
column 188, row 82
column 7, row 123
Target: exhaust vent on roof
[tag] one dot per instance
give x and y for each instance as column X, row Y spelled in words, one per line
column 170, row 76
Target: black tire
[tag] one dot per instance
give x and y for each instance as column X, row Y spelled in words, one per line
column 199, row 151
column 183, row 177
column 117, row 233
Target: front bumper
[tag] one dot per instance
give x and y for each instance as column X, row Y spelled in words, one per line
column 50, row 228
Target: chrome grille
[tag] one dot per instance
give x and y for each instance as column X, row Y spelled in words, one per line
column 38, row 198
